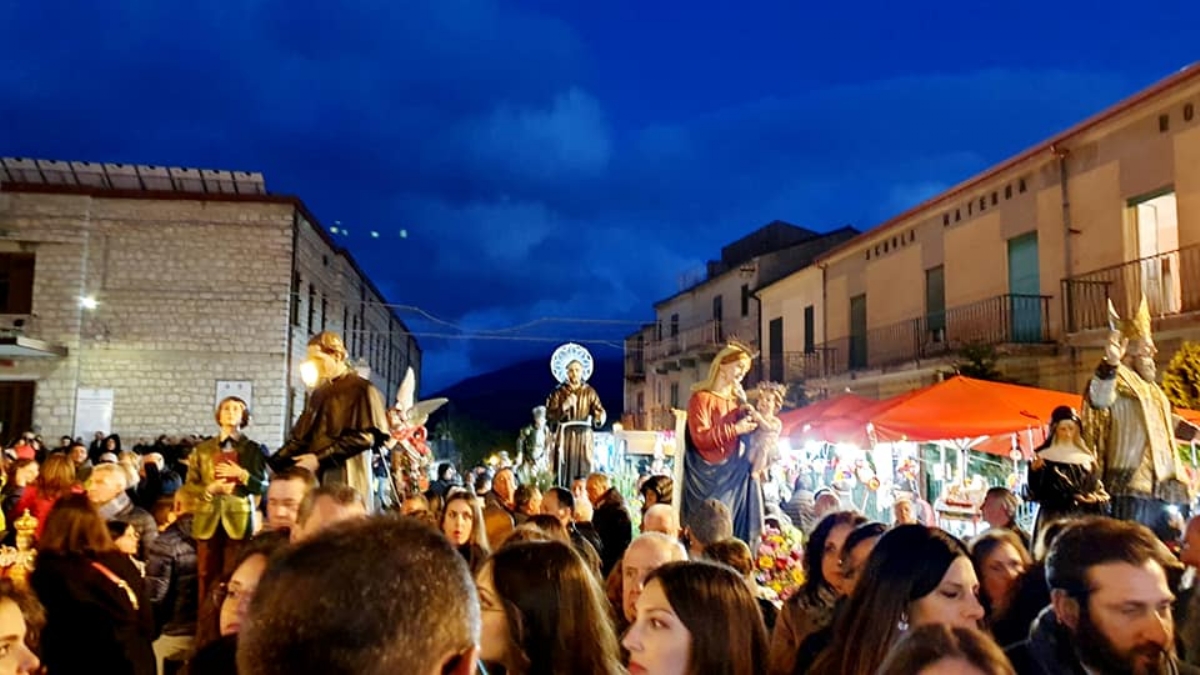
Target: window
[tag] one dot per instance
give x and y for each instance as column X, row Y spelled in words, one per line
column 674, row 394
column 745, row 300
column 935, row 304
column 1021, row 186
column 810, row 343
column 296, row 299
column 1164, row 122
column 1008, row 192
column 995, row 198
column 16, row 283
column 718, row 311
column 983, row 203
column 312, row 306
column 641, row 401
column 945, row 219
column 957, row 215
column 674, row 325
column 1188, row 112
column 324, row 308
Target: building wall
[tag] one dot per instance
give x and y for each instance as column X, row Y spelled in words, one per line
column 786, row 300
column 190, row 292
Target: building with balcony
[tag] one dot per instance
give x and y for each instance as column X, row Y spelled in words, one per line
column 1022, row 258
column 692, row 325
column 132, row 298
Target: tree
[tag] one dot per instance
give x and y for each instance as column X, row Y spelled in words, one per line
column 1181, row 379
column 978, row 361
column 474, row 440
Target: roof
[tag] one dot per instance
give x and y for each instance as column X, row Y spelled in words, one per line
column 139, row 181
column 1185, row 75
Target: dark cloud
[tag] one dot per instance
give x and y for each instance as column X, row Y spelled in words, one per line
column 540, row 164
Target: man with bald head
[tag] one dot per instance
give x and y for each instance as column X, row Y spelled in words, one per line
column 645, row 554
column 661, row 518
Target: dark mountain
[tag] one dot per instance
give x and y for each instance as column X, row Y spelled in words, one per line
column 503, row 398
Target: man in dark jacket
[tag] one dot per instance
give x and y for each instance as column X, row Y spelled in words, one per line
column 172, row 583
column 611, row 519
column 1110, row 608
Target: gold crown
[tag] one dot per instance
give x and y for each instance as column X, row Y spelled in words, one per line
column 1139, row 326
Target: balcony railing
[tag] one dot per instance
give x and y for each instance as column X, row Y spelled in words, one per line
column 651, row 420
column 635, row 364
column 1171, row 282
column 795, row 366
column 1004, row 319
column 709, row 335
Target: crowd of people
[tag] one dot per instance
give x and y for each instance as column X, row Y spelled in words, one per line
column 484, row 574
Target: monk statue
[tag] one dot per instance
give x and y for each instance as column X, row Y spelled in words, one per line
column 574, row 410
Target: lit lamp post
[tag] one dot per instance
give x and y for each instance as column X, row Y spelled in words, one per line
column 87, row 304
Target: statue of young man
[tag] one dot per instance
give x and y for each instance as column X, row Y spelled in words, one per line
column 224, row 474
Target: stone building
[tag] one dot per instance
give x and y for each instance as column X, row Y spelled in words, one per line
column 133, row 297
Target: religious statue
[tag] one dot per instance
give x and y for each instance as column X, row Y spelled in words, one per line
column 764, row 440
column 411, row 455
column 344, row 420
column 224, row 475
column 573, row 410
column 1064, row 478
column 531, row 446
column 716, row 462
column 1129, row 419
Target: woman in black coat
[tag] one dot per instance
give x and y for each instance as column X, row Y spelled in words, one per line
column 98, row 617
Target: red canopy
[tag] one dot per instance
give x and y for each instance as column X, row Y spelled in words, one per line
column 794, row 421
column 961, row 407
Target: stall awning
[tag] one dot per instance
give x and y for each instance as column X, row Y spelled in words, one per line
column 814, row 414
column 961, row 408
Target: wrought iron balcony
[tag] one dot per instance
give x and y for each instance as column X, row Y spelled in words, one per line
column 795, row 366
column 703, row 339
column 1171, row 282
column 1003, row 319
column 650, row 420
column 635, row 364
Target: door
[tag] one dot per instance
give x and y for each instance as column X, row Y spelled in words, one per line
column 775, row 346
column 16, row 410
column 1024, row 290
column 858, row 331
column 718, row 315
column 1157, row 227
column 935, row 305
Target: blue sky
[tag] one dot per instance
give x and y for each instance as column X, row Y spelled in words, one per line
column 561, row 159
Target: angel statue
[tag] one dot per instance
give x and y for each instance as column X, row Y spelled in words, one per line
column 411, row 455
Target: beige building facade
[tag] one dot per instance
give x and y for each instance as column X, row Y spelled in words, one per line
column 665, row 358
column 133, row 297
column 1021, row 259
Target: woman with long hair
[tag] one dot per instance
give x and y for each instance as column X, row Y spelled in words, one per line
column 811, row 608
column 98, row 616
column 544, row 613
column 938, row 649
column 916, row 575
column 462, row 523
column 224, row 611
column 55, row 479
column 1000, row 561
column 696, row 618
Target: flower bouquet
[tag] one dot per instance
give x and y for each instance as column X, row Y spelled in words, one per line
column 778, row 563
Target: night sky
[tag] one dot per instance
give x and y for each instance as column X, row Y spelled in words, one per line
column 568, row 160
